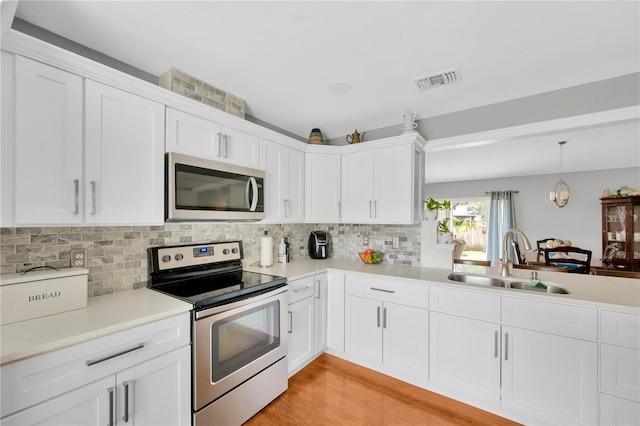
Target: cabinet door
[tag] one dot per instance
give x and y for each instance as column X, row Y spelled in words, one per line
column 406, row 340
column 294, row 208
column 301, row 338
column 616, row 411
column 124, row 162
column 363, row 328
column 394, row 184
column 358, row 201
column 48, row 145
column 550, row 377
column 237, row 147
column 85, row 406
column 320, row 313
column 284, row 180
column 322, row 188
column 192, row 135
column 158, row 391
column 464, row 355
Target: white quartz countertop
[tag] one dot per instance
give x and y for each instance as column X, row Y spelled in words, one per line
column 622, row 294
column 103, row 315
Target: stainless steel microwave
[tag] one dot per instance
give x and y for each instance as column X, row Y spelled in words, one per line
column 197, row 189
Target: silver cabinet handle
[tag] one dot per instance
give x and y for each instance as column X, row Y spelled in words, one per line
column 298, row 290
column 339, row 209
column 219, row 144
column 316, row 290
column 224, row 146
column 125, row 418
column 111, row 406
column 93, row 197
column 383, row 290
column 378, row 312
column 126, row 351
column 289, row 329
column 76, row 189
column 370, row 213
column 506, row 346
column 286, row 208
column 375, row 209
column 495, row 344
column 384, row 318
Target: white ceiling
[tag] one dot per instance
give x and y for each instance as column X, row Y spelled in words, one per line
column 281, row 57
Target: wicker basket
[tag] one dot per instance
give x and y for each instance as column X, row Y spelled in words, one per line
column 315, row 137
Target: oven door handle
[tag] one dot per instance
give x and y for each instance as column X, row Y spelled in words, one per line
column 251, row 194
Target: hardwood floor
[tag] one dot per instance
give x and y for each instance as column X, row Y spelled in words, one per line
column 331, row 391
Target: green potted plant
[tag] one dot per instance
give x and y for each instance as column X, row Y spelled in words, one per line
column 445, row 236
column 432, row 208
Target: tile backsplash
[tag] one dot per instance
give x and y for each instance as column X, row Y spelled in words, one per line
column 117, row 255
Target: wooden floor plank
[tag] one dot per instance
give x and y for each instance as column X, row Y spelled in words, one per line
column 332, row 391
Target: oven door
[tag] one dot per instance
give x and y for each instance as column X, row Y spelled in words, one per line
column 234, row 342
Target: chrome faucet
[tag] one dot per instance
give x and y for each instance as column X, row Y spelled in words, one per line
column 505, row 272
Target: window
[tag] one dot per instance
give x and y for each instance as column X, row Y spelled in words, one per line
column 469, row 220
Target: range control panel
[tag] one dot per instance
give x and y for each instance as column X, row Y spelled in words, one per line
column 197, row 254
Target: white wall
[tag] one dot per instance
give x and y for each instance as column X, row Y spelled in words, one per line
column 579, row 221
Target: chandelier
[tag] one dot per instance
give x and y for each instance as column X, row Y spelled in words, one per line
column 561, row 193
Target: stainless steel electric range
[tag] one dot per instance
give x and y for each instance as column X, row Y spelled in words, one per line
column 239, row 323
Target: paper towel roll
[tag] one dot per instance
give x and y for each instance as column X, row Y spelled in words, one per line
column 266, row 251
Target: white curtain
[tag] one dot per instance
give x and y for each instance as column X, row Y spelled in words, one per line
column 501, row 218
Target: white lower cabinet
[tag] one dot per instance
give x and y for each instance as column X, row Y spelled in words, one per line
column 619, row 368
column 139, row 376
column 335, row 311
column 386, row 334
column 464, row 355
column 549, row 377
column 307, row 323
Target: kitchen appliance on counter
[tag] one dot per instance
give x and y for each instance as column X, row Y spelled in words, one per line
column 320, row 245
column 239, row 323
column 201, row 189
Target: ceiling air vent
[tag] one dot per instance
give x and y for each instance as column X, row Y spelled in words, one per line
column 440, row 79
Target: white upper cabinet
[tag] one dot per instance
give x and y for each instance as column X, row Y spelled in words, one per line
column 381, row 185
column 284, row 182
column 322, row 188
column 114, row 176
column 48, row 145
column 124, row 166
column 199, row 137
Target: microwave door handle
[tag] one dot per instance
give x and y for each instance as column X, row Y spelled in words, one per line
column 251, row 194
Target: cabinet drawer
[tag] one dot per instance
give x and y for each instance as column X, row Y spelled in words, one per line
column 622, row 329
column 466, row 303
column 39, row 378
column 301, row 289
column 620, row 371
column 555, row 318
column 388, row 291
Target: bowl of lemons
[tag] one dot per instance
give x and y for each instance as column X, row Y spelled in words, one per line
column 370, row 256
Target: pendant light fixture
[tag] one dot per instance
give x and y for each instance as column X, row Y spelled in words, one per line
column 561, row 193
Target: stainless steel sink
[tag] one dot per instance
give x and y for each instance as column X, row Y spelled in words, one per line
column 476, row 279
column 490, row 281
column 528, row 286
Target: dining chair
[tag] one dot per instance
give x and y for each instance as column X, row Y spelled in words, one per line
column 542, row 268
column 612, row 273
column 541, row 246
column 518, row 258
column 576, row 259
